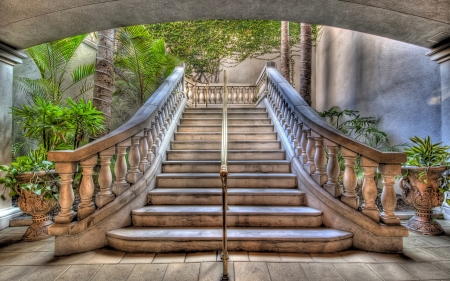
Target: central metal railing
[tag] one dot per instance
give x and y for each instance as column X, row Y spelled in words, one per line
column 223, row 176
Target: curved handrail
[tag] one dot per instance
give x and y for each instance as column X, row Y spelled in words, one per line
column 137, row 123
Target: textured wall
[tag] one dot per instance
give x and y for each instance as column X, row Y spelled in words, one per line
column 380, row 77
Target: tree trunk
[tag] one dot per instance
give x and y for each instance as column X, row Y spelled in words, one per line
column 104, row 76
column 305, row 62
column 284, row 50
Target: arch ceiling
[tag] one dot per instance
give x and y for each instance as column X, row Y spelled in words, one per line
column 26, row 23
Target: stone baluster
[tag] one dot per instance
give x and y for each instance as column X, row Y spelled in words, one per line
column 156, row 140
column 320, row 161
column 388, row 196
column 105, row 194
column 298, row 145
column 246, row 95
column 143, row 152
column 292, row 125
column 229, row 95
column 189, row 94
column 235, row 94
column 310, row 166
column 201, row 96
column 171, row 108
column 349, row 197
column 120, row 169
column 332, row 186
column 218, row 95
column 369, row 189
column 65, row 170
column 165, row 116
column 241, row 95
column 293, row 136
column 134, row 159
column 287, row 127
column 252, row 94
column 149, row 135
column 304, row 143
column 86, row 206
column 159, row 121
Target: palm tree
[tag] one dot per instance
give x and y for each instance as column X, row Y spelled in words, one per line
column 305, row 62
column 284, row 50
column 52, row 60
column 104, row 75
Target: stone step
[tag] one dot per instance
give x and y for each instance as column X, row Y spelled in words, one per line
column 229, row 110
column 236, row 196
column 235, row 114
column 232, row 145
column 238, row 216
column 231, row 121
column 264, row 128
column 236, row 166
column 176, row 239
column 232, row 155
column 235, row 180
column 218, row 136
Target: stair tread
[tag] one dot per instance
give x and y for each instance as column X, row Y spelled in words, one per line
column 230, row 175
column 233, row 210
column 234, row 191
column 247, row 233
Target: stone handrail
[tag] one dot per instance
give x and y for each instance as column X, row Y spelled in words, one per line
column 209, row 94
column 141, row 136
column 312, row 139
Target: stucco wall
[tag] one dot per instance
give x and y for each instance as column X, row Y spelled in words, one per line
column 379, row 77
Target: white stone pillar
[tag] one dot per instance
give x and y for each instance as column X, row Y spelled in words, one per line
column 8, row 58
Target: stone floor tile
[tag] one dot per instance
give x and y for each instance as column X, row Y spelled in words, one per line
column 425, row 271
column 4, row 257
column 415, row 242
column 391, row 271
column 138, row 258
column 286, row 271
column 24, row 247
column 169, row 257
column 355, row 271
column 321, row 272
column 8, row 239
column 357, row 256
column 234, row 256
column 380, row 257
column 294, row 257
column 47, row 258
column 445, row 265
column 13, row 273
column 145, row 272
column 213, row 271
column 182, row 271
column 333, row 257
column 113, row 272
column 18, row 229
column 46, row 273
column 251, row 271
column 442, row 253
column 107, row 256
column 419, row 255
column 80, row 272
column 435, row 241
column 24, row 258
column 82, row 258
column 201, row 257
column 50, row 247
column 260, row 256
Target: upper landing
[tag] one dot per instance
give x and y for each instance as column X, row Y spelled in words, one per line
column 30, row 22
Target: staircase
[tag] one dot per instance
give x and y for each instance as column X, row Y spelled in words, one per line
column 267, row 211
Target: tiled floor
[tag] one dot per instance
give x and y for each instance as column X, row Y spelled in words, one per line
column 424, row 258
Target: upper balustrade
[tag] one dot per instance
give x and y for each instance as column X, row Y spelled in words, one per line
column 210, row 94
column 317, row 145
column 139, row 140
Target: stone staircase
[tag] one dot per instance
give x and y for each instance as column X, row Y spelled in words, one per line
column 267, row 210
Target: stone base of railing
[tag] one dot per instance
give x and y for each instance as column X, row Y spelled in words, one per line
column 334, row 189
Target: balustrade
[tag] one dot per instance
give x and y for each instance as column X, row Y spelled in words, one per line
column 141, row 137
column 202, row 95
column 318, row 145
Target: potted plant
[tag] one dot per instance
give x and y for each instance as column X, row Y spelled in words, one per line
column 424, row 182
column 32, row 178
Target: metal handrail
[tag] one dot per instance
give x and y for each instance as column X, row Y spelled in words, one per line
column 223, row 176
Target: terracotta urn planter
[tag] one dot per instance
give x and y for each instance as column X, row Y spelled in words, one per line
column 421, row 190
column 38, row 207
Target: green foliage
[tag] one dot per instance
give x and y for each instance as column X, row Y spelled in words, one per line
column 423, row 153
column 141, row 64
column 205, row 45
column 34, row 162
column 52, row 60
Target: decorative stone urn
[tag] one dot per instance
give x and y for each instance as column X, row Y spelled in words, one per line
column 421, row 190
column 38, row 207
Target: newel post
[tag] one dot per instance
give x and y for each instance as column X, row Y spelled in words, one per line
column 388, row 196
column 66, row 196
